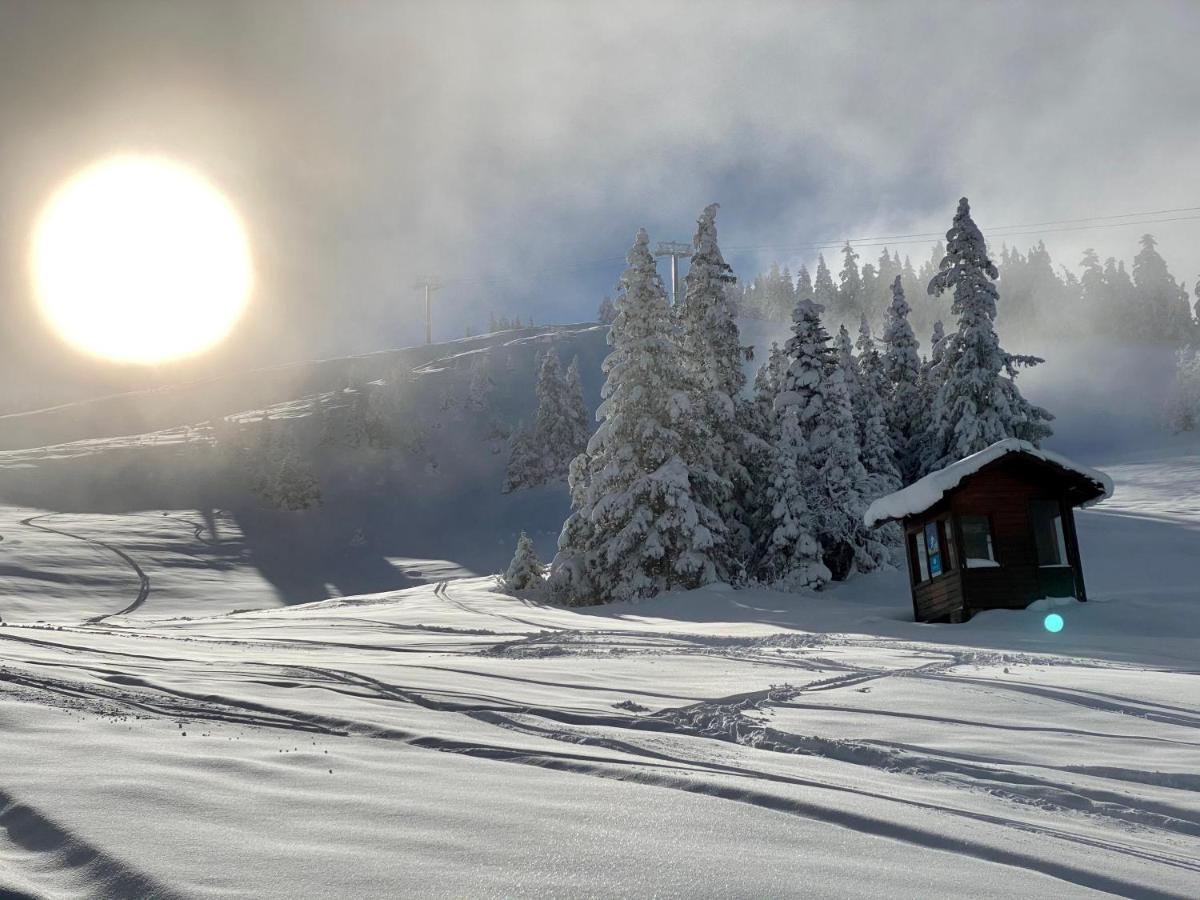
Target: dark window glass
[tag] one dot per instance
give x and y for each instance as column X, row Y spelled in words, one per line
column 1046, row 518
column 933, row 548
column 977, row 550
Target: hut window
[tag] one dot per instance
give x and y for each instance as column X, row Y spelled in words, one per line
column 1046, row 517
column 933, row 548
column 920, row 562
column 978, row 551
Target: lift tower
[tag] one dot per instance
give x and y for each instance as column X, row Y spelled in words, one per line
column 430, row 285
column 676, row 250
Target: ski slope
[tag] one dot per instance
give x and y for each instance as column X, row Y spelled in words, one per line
column 177, row 721
column 449, row 740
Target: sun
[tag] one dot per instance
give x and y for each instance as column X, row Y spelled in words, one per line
column 137, row 259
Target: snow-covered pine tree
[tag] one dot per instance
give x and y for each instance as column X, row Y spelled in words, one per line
column 1183, row 401
column 525, row 573
column 804, row 285
column 713, row 357
column 868, row 302
column 525, row 461
column 1121, row 301
column 263, row 455
column 577, row 413
column 822, row 453
column 1092, row 280
column 784, row 298
column 937, row 343
column 977, row 401
column 560, row 433
column 280, row 476
column 906, row 409
column 765, row 426
column 824, row 292
column 1162, row 311
column 556, row 426
column 636, row 528
column 886, row 269
column 849, row 295
column 352, row 425
column 870, row 403
column 766, row 386
column 788, row 554
column 607, row 312
column 846, row 359
column 481, row 385
column 570, row 572
column 295, row 487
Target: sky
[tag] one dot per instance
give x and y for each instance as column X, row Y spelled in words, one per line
column 513, row 149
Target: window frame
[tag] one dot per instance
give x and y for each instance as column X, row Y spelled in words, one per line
column 1058, row 532
column 917, row 557
column 992, row 556
column 919, row 554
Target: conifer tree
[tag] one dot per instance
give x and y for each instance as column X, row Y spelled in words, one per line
column 937, row 344
column 525, row 461
column 766, row 386
column 555, row 416
column 765, row 425
column 560, row 433
column 713, row 357
column 1092, row 279
column 824, row 292
column 902, row 373
column 1163, row 312
column 977, row 401
column 831, row 478
column 1119, row 288
column 846, row 359
column 849, row 295
column 636, row 528
column 804, row 285
column 607, row 311
column 525, row 572
column 789, row 553
column 785, row 297
column 870, row 401
column 577, row 413
column 295, row 486
column 481, row 385
column 868, row 304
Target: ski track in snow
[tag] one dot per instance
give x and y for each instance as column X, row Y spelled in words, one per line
column 143, row 579
column 474, row 692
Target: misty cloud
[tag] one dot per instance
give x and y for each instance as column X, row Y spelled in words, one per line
column 510, row 145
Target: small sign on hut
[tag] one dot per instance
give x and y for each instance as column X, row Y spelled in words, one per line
column 993, row 531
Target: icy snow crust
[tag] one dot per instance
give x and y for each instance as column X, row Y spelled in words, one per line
column 921, row 495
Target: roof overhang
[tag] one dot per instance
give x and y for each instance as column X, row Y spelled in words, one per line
column 1087, row 486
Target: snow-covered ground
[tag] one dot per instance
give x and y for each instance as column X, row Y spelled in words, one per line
column 450, row 740
column 170, row 726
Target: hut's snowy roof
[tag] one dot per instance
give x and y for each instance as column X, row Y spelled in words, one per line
column 921, row 495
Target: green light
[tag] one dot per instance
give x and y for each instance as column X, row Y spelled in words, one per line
column 1053, row 623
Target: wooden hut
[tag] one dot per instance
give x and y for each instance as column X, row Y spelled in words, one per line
column 993, row 531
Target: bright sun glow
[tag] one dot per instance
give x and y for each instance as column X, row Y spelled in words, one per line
column 138, row 259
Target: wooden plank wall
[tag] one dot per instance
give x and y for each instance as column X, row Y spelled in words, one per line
column 1004, row 492
column 940, row 598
